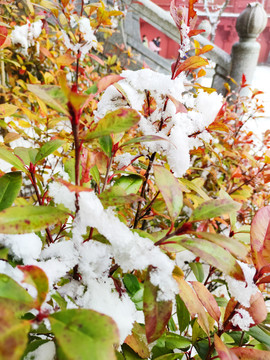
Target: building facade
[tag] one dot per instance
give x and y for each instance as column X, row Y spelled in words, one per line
column 226, row 34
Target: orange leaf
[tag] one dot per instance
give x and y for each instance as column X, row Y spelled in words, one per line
column 205, row 49
column 223, row 352
column 191, row 63
column 65, row 60
column 192, row 303
column 72, row 187
column 191, row 11
column 207, row 299
column 250, row 354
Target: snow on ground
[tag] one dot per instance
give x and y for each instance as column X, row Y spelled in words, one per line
column 261, row 81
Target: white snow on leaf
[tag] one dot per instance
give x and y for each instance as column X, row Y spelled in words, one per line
column 25, row 35
column 45, row 351
column 242, row 319
column 129, row 250
column 62, row 195
column 179, row 128
column 89, row 39
column 101, row 296
column 243, row 290
column 25, row 246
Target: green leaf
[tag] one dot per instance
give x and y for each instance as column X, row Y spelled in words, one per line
column 137, row 298
column 170, row 190
column 141, row 139
column 131, row 283
column 25, row 219
column 91, row 90
column 106, row 144
column 82, row 333
column 193, row 186
column 13, row 330
column 170, row 357
column 156, row 313
column 259, row 334
column 95, row 174
column 10, row 185
column 28, row 155
column 214, row 255
column 131, row 183
column 232, row 245
column 115, row 122
column 11, row 290
column 175, row 341
column 48, row 148
column 214, row 208
column 197, row 269
column 9, row 157
column 33, row 345
column 117, row 196
column 183, row 315
column 52, row 95
column 35, row 276
column 129, row 354
column 60, row 300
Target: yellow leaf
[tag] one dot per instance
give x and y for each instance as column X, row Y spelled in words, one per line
column 267, row 157
column 48, row 78
column 43, row 107
column 31, row 115
column 24, row 123
column 30, row 7
column 7, row 110
column 33, row 79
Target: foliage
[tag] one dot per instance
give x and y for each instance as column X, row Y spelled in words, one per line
column 115, row 243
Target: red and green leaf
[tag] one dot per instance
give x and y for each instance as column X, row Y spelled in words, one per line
column 260, row 238
column 35, row 276
column 170, row 190
column 156, row 313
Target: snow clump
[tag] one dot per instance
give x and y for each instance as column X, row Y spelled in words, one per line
column 25, row 35
column 180, row 129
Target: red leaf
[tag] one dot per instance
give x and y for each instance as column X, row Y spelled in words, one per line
column 107, row 81
column 96, row 58
column 260, row 275
column 35, row 276
column 3, row 34
column 260, row 238
column 180, row 108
